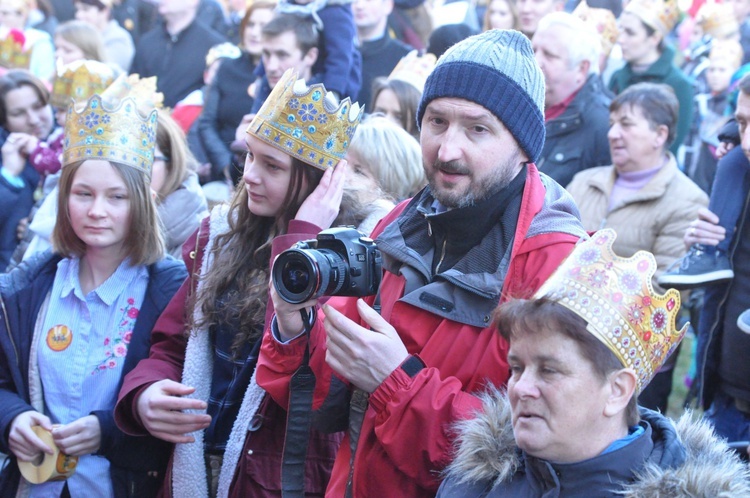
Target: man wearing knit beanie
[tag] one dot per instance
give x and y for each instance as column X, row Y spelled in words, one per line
column 487, row 227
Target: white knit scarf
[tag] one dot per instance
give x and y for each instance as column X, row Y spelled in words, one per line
column 189, row 474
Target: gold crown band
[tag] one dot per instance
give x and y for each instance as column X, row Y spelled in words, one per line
column 616, row 298
column 80, row 80
column 305, row 123
column 13, row 55
column 119, row 134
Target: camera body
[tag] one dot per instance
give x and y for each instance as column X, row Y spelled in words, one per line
column 339, row 262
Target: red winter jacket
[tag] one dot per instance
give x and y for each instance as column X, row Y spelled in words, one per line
column 406, row 437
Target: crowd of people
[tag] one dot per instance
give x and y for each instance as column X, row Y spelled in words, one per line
column 541, row 194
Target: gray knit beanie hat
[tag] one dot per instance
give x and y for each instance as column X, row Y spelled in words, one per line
column 497, row 70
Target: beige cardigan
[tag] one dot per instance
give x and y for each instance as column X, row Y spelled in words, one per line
column 654, row 219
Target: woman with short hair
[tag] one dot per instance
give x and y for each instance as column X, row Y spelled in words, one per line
column 581, row 349
column 643, row 26
column 643, row 194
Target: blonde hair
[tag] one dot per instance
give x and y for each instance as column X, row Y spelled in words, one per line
column 512, row 7
column 144, row 242
column 729, row 50
column 391, row 154
column 84, row 36
column 173, row 145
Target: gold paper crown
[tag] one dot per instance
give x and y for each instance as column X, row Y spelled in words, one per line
column 661, row 15
column 603, row 21
column 414, row 69
column 12, row 53
column 115, row 127
column 142, row 90
column 717, row 20
column 80, row 80
column 615, row 297
column 305, row 122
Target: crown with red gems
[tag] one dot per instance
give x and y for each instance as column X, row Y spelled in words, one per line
column 661, row 15
column 80, row 80
column 615, row 297
column 12, row 52
column 119, row 125
column 603, row 21
column 306, row 122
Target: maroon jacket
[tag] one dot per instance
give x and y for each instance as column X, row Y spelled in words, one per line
column 258, row 472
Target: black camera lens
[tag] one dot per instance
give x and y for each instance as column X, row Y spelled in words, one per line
column 300, row 275
column 295, row 276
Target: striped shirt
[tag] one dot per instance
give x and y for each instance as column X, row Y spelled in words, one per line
column 80, row 354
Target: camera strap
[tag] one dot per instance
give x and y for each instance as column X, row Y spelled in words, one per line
column 357, row 409
column 298, row 420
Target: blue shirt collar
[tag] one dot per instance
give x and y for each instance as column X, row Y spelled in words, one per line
column 108, row 291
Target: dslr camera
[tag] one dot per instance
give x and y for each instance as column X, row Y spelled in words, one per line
column 339, row 262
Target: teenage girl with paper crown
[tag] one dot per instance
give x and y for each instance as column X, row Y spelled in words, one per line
column 76, row 320
column 198, row 389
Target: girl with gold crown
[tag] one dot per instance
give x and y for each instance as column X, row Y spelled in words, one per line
column 203, row 395
column 77, row 81
column 75, row 321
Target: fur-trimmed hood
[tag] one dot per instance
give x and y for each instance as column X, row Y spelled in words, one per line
column 688, row 459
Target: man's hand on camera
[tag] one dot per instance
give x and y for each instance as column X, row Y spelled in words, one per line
column 362, row 356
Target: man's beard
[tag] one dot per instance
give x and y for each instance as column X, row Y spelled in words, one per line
column 478, row 190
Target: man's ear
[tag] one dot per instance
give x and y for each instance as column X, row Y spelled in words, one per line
column 311, row 56
column 584, row 67
column 622, row 384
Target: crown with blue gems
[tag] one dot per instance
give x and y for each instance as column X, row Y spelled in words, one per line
column 119, row 125
column 306, row 122
column 80, row 80
column 615, row 297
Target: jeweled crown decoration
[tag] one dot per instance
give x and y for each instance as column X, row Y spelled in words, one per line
column 80, row 80
column 12, row 52
column 603, row 21
column 113, row 128
column 662, row 15
column 306, row 122
column 616, row 298
column 414, row 69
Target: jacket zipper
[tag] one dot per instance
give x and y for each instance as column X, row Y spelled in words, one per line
column 723, row 301
column 442, row 251
column 442, row 257
column 10, row 334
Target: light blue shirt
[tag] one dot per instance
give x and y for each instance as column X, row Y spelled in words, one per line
column 80, row 354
